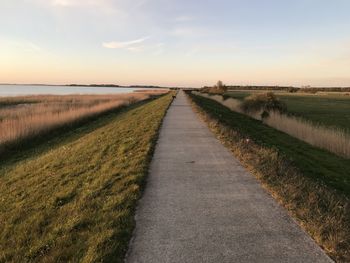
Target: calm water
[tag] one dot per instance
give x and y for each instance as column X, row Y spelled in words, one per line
column 19, row 90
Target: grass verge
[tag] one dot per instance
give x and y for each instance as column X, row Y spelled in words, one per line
column 311, row 183
column 75, row 202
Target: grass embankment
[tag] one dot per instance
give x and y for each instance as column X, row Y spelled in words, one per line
column 75, row 202
column 327, row 110
column 313, row 184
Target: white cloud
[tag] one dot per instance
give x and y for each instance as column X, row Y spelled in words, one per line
column 132, row 45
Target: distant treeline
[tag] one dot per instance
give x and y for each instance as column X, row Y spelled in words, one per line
column 306, row 89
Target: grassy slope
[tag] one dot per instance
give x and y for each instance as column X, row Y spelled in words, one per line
column 312, row 162
column 331, row 111
column 75, row 202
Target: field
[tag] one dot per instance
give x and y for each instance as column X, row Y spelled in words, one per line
column 73, row 198
column 327, row 110
column 313, row 184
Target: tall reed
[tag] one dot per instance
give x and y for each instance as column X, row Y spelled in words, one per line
column 331, row 139
column 44, row 113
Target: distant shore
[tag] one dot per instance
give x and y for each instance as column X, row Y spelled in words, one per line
column 89, row 85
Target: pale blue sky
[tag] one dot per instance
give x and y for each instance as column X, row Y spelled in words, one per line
column 175, row 42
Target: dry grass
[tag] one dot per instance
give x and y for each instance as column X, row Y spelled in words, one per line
column 334, row 140
column 322, row 211
column 29, row 116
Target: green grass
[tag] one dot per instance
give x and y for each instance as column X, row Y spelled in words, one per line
column 314, row 163
column 239, row 95
column 330, row 111
column 74, row 201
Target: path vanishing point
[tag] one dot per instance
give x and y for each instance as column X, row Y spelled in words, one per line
column 201, row 205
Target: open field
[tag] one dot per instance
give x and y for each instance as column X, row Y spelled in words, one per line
column 327, row 110
column 26, row 117
column 331, row 111
column 313, row 184
column 74, row 199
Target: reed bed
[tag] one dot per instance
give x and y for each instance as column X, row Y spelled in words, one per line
column 24, row 117
column 334, row 140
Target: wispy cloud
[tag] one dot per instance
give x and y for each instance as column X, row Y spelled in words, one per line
column 133, row 45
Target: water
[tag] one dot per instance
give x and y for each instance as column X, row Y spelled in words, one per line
column 21, row 90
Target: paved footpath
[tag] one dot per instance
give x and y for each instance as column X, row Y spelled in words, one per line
column 201, row 205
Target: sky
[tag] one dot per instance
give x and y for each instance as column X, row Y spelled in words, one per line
column 188, row 43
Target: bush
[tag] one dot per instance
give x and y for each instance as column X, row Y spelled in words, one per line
column 292, row 90
column 219, row 88
column 263, row 103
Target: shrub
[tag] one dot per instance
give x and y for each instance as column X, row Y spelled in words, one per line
column 263, row 103
column 292, row 89
column 219, row 88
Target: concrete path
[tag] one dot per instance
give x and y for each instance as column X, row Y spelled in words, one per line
column 200, row 205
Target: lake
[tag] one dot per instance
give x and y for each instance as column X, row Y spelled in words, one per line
column 21, row 90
